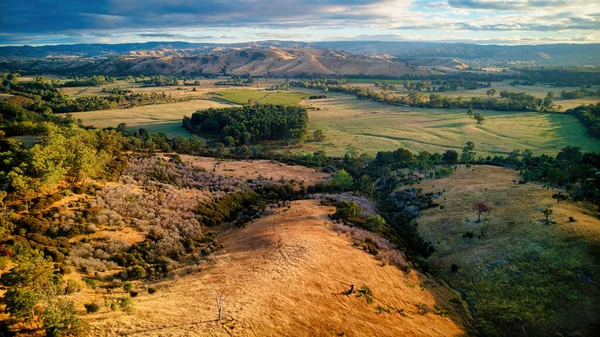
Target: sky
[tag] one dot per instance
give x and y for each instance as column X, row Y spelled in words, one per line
column 506, row 22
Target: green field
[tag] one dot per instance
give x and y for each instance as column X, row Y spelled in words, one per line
column 242, row 96
column 154, row 118
column 372, row 127
column 373, row 80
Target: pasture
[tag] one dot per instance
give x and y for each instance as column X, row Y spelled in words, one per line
column 242, row 96
column 522, row 273
column 154, row 118
column 372, row 127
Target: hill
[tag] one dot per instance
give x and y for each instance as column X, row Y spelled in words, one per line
column 283, row 275
column 547, row 54
column 256, row 62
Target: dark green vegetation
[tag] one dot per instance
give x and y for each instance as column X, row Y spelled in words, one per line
column 42, row 96
column 589, row 115
column 250, row 123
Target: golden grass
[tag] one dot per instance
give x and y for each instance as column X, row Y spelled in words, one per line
column 283, row 275
column 253, row 169
column 154, row 118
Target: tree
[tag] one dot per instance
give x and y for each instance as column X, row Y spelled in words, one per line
column 343, row 180
column 319, row 135
column 559, row 197
column 468, row 154
column 481, row 207
column 122, row 128
column 450, row 157
column 492, row 92
column 470, row 112
column 479, row 117
column 220, row 299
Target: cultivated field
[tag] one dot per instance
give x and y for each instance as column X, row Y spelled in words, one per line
column 282, row 275
column 372, row 127
column 154, row 118
column 516, row 265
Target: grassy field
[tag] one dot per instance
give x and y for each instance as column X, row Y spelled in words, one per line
column 372, row 127
column 536, row 90
column 522, row 274
column 241, row 96
column 154, row 118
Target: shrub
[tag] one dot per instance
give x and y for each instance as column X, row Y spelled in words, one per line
column 127, row 286
column 133, row 293
column 365, row 292
column 151, row 290
column 126, row 304
column 91, row 307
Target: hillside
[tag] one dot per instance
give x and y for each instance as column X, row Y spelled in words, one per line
column 514, row 249
column 284, row 275
column 256, row 62
column 551, row 54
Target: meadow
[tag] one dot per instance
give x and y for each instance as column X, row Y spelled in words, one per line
column 524, row 275
column 154, row 118
column 538, row 90
column 373, row 127
column 242, row 96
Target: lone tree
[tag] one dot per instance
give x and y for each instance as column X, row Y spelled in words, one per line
column 559, row 196
column 470, row 112
column 220, row 298
column 479, row 117
column 481, row 207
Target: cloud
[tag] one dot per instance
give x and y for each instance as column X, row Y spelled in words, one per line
column 72, row 21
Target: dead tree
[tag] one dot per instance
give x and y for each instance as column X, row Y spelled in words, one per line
column 220, row 298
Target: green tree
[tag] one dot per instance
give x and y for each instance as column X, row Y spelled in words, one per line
column 470, row 112
column 318, row 135
column 479, row 117
column 343, row 180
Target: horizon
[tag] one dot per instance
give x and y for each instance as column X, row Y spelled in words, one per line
column 484, row 22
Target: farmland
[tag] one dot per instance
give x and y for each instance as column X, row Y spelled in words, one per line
column 154, row 118
column 242, row 96
column 372, row 127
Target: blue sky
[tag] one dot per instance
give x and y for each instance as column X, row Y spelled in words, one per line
column 39, row 22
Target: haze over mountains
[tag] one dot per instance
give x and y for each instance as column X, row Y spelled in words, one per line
column 543, row 54
column 279, row 58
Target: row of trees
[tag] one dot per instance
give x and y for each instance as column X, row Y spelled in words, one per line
column 589, row 115
column 511, row 101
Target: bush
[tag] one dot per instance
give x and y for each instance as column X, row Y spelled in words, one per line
column 151, row 290
column 127, row 286
column 91, row 307
column 126, row 304
column 133, row 293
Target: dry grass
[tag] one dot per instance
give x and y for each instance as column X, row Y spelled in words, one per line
column 513, row 246
column 253, row 169
column 284, row 276
column 154, row 118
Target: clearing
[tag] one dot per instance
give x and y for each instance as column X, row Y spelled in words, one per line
column 284, row 275
column 373, row 127
column 516, row 267
column 253, row 169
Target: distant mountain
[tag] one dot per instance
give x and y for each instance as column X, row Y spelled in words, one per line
column 254, row 61
column 552, row 54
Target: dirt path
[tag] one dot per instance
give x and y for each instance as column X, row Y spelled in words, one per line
column 284, row 276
